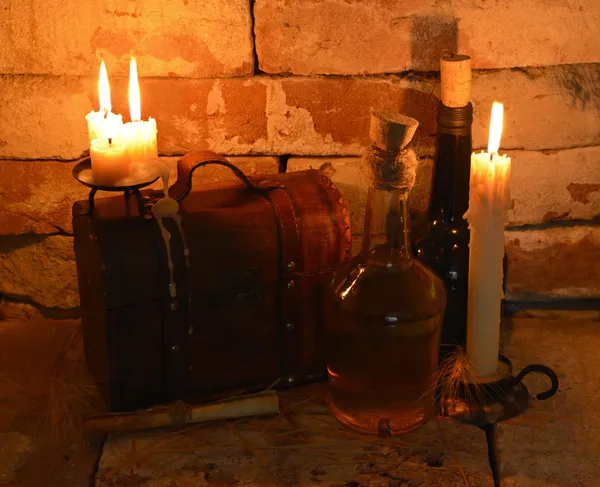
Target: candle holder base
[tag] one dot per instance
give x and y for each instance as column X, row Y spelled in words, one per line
column 82, row 172
column 488, row 401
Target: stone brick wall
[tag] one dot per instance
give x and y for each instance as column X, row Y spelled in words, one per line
column 286, row 85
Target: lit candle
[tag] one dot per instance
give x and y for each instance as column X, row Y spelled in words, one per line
column 103, row 121
column 110, row 162
column 140, row 137
column 489, row 201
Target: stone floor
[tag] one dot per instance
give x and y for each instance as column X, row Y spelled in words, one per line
column 556, row 444
column 37, row 448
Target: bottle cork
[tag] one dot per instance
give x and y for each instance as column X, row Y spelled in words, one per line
column 456, row 80
column 396, row 168
column 392, row 132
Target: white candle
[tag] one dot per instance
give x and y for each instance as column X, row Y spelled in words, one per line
column 103, row 122
column 139, row 136
column 110, row 162
column 489, row 201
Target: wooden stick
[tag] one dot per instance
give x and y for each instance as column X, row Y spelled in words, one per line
column 180, row 413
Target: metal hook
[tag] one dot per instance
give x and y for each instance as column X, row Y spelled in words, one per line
column 541, row 369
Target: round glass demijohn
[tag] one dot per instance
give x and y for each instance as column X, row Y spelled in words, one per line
column 384, row 308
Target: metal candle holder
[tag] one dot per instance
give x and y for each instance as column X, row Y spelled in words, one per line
column 82, row 172
column 486, row 403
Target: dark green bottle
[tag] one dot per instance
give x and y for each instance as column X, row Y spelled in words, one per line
column 445, row 248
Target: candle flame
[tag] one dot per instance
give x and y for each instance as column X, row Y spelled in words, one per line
column 134, row 93
column 495, row 127
column 104, row 90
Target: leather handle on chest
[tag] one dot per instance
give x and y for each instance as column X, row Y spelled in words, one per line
column 192, row 161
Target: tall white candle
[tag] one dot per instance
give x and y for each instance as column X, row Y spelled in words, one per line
column 103, row 123
column 489, row 201
column 139, row 136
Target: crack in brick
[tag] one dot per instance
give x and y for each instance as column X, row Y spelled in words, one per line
column 256, row 62
column 576, row 222
column 10, row 243
column 59, row 230
column 45, row 311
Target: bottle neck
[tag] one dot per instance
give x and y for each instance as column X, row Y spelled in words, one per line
column 450, row 195
column 386, row 240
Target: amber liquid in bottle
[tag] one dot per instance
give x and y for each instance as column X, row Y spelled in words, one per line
column 383, row 320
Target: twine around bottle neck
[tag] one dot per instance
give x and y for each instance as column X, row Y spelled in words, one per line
column 392, row 170
column 386, row 239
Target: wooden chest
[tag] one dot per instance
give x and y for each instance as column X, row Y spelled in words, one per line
column 247, row 310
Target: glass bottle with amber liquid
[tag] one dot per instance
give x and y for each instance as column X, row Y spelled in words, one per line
column 384, row 310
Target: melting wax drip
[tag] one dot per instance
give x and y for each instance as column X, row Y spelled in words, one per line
column 166, row 235
column 167, row 207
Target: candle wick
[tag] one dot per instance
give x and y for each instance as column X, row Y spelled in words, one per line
column 110, row 141
column 105, row 113
column 491, row 156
